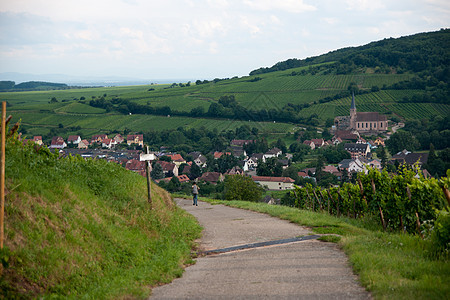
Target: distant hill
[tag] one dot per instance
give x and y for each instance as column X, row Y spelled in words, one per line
column 8, row 86
column 421, row 52
column 405, row 79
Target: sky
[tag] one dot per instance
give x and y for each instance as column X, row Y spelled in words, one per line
column 198, row 39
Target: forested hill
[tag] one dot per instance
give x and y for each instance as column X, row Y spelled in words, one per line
column 427, row 53
column 30, row 86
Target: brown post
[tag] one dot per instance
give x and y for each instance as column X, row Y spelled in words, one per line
column 311, row 200
column 315, row 195
column 401, row 224
column 149, row 187
column 2, row 174
column 339, row 198
column 446, row 194
column 418, row 225
column 382, row 217
column 329, row 197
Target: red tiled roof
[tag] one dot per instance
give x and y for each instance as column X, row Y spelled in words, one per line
column 273, row 179
column 73, row 138
column 175, row 157
column 135, row 164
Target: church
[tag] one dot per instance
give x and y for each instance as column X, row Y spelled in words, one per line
column 363, row 122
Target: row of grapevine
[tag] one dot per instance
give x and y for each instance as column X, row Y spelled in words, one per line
column 402, row 202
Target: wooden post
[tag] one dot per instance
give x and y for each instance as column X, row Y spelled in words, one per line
column 418, row 225
column 382, row 217
column 339, row 198
column 446, row 194
column 149, row 187
column 2, row 174
column 320, row 204
column 311, row 200
column 329, row 197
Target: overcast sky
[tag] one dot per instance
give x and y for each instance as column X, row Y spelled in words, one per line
column 198, row 39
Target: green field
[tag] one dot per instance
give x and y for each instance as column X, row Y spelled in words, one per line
column 273, row 91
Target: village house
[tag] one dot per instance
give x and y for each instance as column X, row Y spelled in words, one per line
column 136, row 166
column 357, row 150
column 38, row 139
column 108, row 143
column 169, row 169
column 409, row 158
column 177, row 159
column 212, row 177
column 318, row 143
column 73, row 139
column 200, row 161
column 275, row 183
column 235, row 171
column 181, row 178
column 218, row 155
column 240, row 143
column 274, row 152
column 135, row 139
column 310, row 144
column 83, row 144
column 379, row 142
column 119, row 139
column 98, row 138
column 238, row 151
column 352, row 165
column 57, row 143
column 373, row 163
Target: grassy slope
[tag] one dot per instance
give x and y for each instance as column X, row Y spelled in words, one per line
column 84, row 229
column 272, row 92
column 391, row 266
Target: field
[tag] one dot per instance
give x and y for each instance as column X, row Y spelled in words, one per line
column 267, row 91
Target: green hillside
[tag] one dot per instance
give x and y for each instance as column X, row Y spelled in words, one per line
column 83, row 229
column 388, row 76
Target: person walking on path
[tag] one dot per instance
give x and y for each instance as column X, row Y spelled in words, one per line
column 195, row 189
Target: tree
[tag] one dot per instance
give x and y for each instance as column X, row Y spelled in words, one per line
column 157, row 172
column 238, row 187
column 401, row 140
column 195, row 171
column 382, row 155
column 174, row 184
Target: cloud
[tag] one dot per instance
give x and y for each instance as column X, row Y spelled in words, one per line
column 365, row 5
column 292, row 6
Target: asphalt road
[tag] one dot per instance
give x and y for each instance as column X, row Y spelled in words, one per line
column 298, row 270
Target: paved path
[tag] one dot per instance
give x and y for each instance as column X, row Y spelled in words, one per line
column 300, row 270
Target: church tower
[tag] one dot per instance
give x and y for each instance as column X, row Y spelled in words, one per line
column 353, row 113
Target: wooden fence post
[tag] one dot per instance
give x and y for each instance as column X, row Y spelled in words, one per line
column 2, row 174
column 318, row 201
column 149, row 187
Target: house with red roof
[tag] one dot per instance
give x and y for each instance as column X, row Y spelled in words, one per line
column 135, row 139
column 38, row 139
column 275, row 183
column 136, row 166
column 73, row 139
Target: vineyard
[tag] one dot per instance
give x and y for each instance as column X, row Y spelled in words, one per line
column 405, row 202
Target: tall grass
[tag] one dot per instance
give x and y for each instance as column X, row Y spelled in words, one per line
column 84, row 229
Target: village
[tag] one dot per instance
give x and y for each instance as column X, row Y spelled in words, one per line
column 128, row 152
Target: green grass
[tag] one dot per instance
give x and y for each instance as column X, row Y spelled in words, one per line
column 273, row 91
column 389, row 265
column 84, row 229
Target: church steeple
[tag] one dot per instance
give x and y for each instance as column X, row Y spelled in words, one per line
column 353, row 113
column 353, row 105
